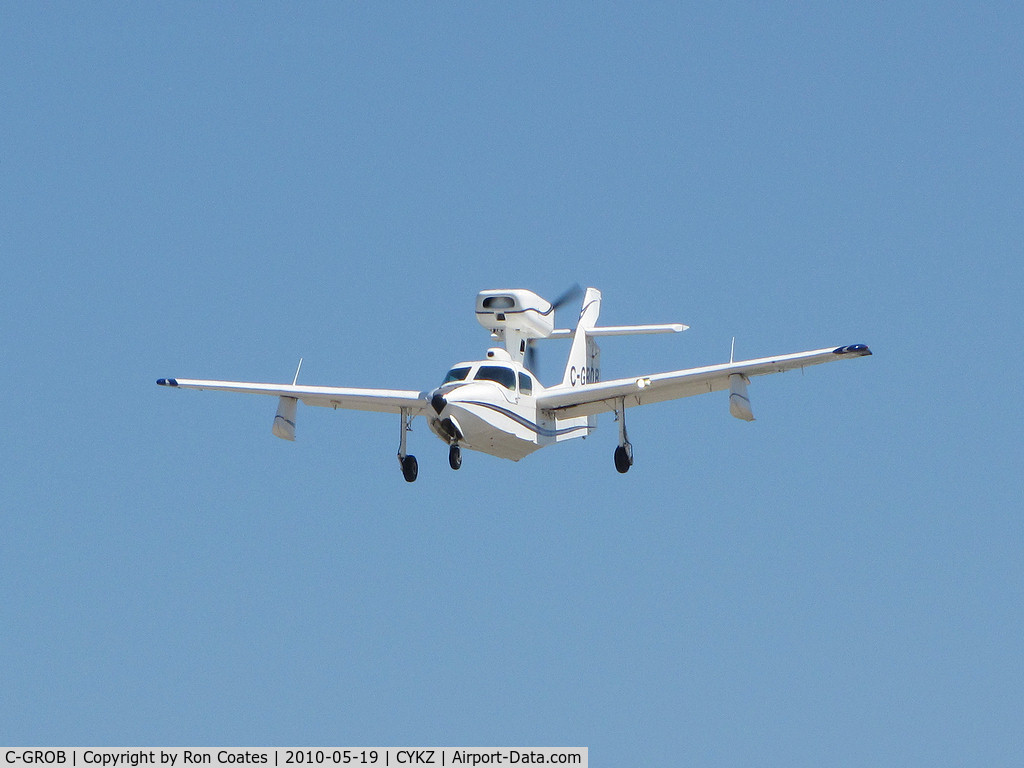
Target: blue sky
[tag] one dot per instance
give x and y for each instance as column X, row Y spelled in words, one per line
column 213, row 191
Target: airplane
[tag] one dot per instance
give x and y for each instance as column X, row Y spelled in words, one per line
column 498, row 406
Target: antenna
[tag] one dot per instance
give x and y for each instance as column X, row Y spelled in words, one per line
column 732, row 351
column 296, row 379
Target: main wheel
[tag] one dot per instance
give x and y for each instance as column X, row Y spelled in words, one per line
column 623, row 460
column 454, row 456
column 410, row 469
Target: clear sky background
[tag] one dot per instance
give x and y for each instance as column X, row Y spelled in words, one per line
column 212, row 191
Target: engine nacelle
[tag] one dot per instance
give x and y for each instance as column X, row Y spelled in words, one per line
column 517, row 312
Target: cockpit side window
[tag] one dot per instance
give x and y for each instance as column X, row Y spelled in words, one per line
column 504, row 376
column 525, row 384
column 456, row 374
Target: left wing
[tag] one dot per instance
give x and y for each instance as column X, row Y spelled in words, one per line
column 381, row 400
column 567, row 402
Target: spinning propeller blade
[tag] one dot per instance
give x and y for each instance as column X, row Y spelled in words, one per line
column 570, row 295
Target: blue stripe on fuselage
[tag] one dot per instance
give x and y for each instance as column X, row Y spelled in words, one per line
column 522, row 420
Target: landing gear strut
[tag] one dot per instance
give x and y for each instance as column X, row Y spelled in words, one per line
column 410, row 469
column 454, row 456
column 624, row 452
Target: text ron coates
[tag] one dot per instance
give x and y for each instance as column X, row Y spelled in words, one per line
column 135, row 757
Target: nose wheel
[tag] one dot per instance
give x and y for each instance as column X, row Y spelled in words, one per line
column 454, row 456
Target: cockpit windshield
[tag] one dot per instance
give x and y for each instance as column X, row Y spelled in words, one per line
column 504, row 376
column 456, row 374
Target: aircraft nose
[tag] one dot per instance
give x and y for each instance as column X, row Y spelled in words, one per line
column 437, row 402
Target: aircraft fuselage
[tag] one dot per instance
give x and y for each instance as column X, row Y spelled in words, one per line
column 491, row 406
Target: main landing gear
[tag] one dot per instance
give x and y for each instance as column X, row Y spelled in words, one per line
column 410, row 469
column 624, row 452
column 624, row 458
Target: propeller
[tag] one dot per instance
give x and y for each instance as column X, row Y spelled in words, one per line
column 570, row 295
column 573, row 293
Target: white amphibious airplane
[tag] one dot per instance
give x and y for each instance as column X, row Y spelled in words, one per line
column 498, row 406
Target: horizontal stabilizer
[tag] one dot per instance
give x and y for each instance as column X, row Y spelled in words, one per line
column 621, row 330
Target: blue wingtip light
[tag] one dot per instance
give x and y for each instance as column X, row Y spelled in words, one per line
column 853, row 349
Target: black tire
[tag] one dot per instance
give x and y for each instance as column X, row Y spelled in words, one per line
column 622, row 461
column 454, row 457
column 410, row 469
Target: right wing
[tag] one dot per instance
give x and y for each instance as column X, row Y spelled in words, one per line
column 380, row 400
column 604, row 396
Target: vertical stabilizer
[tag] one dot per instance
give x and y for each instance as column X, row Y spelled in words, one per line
column 583, row 365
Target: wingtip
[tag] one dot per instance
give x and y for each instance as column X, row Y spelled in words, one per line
column 857, row 350
column 167, row 382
